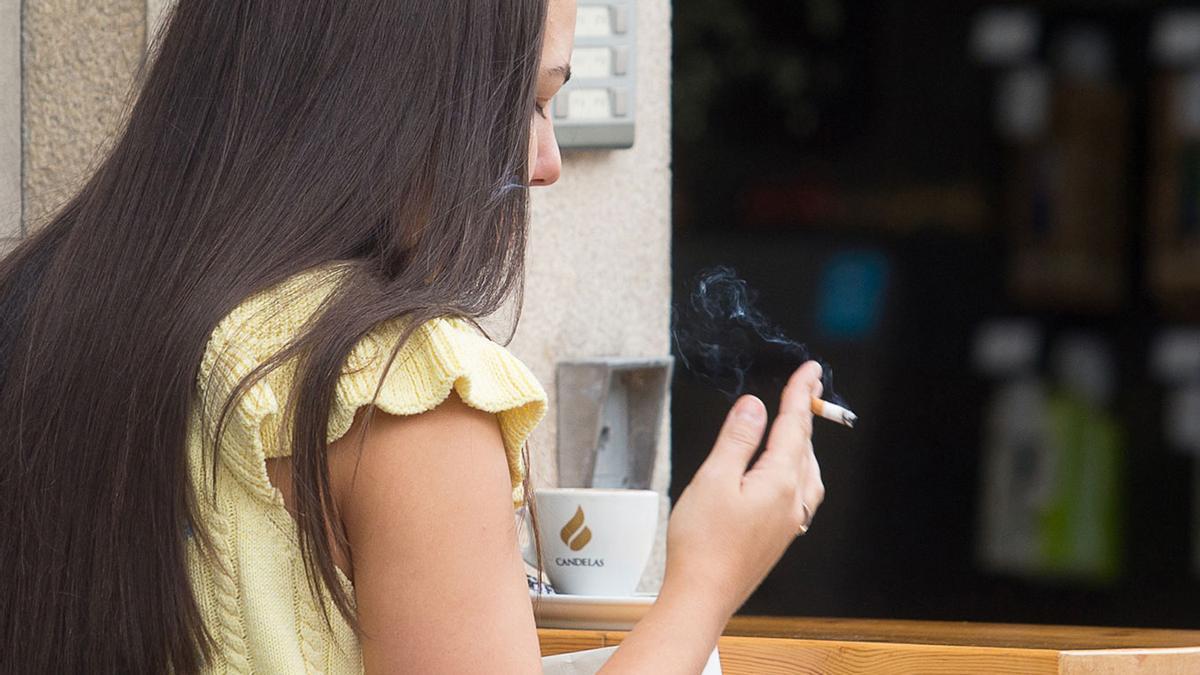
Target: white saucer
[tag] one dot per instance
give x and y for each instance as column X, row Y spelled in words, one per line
column 590, row 612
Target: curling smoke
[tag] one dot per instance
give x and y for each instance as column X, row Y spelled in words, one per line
column 720, row 336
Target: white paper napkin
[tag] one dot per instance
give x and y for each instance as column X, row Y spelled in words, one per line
column 587, row 662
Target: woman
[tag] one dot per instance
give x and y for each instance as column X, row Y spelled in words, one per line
column 250, row 424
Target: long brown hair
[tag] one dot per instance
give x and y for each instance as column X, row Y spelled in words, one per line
column 267, row 137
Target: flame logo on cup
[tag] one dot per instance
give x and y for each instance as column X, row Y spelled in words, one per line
column 575, row 534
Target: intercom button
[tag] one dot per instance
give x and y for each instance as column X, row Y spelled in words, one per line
column 620, row 19
column 620, row 60
column 620, row 101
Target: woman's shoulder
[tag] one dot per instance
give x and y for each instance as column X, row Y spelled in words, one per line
column 440, row 355
column 266, row 320
column 434, row 355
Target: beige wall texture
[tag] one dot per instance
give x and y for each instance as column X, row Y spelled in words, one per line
column 598, row 280
column 80, row 59
column 10, row 121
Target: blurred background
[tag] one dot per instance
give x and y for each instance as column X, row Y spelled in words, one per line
column 986, row 219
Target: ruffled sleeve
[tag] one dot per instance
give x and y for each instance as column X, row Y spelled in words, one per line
column 441, row 355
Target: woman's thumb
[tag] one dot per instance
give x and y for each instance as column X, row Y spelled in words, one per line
column 740, row 435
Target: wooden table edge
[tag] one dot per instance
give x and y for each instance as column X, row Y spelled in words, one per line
column 770, row 654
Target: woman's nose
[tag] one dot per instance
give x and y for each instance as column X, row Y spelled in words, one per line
column 548, row 165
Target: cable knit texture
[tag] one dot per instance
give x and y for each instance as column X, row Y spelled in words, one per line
column 251, row 585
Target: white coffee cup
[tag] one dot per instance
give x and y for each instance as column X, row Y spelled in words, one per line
column 596, row 541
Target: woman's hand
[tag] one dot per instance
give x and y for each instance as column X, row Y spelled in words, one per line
column 730, row 526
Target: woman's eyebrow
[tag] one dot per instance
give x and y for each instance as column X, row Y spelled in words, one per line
column 563, row 70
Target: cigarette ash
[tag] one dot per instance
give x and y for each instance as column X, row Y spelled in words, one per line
column 726, row 342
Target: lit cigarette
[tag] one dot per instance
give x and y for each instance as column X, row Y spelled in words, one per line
column 833, row 412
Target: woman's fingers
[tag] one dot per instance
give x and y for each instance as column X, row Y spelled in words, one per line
column 790, row 441
column 739, row 438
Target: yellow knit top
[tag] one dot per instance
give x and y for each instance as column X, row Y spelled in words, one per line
column 251, row 588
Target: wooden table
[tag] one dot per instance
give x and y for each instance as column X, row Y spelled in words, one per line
column 770, row 645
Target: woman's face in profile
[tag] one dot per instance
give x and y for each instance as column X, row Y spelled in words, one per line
column 545, row 163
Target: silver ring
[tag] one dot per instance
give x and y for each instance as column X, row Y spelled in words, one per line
column 808, row 517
